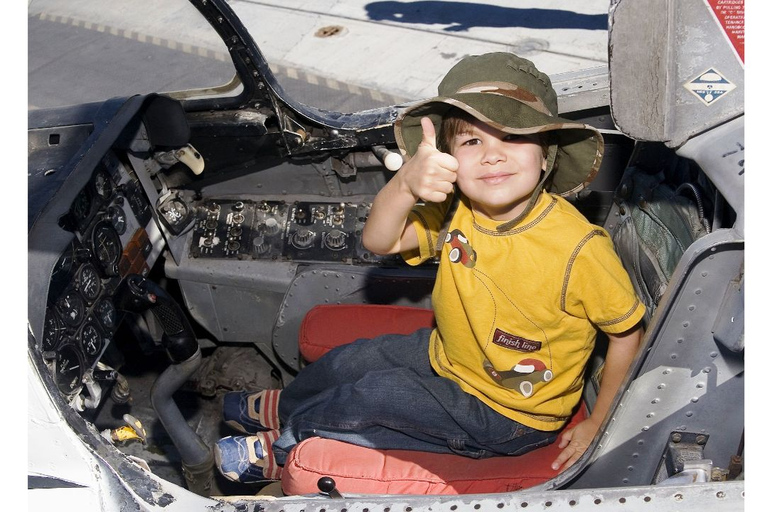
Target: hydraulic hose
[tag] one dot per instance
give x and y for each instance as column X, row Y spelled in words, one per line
column 196, row 456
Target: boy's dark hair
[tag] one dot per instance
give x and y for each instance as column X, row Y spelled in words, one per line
column 456, row 120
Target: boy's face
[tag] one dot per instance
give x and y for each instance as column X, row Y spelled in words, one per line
column 498, row 171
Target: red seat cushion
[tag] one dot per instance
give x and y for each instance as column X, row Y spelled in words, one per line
column 367, row 471
column 331, row 325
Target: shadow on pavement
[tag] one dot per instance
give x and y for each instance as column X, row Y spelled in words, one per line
column 461, row 16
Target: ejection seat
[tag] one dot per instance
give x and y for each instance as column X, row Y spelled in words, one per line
column 359, row 470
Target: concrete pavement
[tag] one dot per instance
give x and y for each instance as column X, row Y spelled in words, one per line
column 401, row 49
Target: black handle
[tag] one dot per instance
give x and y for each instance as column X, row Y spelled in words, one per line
column 138, row 294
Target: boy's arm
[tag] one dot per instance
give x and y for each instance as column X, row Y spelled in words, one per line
column 621, row 351
column 429, row 175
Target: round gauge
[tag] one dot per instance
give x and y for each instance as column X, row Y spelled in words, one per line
column 107, row 247
column 62, row 271
column 81, row 207
column 89, row 282
column 91, row 340
column 116, row 216
column 71, row 308
column 102, row 183
column 51, row 331
column 107, row 314
column 69, row 369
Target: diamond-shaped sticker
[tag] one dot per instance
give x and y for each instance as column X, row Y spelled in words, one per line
column 710, row 86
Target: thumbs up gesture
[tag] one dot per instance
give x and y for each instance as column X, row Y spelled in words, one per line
column 430, row 174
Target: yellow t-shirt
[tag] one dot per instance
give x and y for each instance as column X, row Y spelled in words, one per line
column 518, row 311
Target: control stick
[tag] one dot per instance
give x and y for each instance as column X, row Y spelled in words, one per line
column 138, row 294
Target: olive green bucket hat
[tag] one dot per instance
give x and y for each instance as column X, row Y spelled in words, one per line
column 509, row 93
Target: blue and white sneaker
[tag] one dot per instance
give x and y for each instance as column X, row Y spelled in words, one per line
column 251, row 413
column 248, row 459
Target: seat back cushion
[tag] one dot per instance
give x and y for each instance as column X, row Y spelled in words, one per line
column 360, row 470
column 330, row 325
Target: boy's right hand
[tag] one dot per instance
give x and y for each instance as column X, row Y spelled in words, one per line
column 430, row 174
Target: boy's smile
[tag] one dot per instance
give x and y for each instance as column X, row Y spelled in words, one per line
column 498, row 171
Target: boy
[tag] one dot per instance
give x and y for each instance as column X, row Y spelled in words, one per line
column 523, row 284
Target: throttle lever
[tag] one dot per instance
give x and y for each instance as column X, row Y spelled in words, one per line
column 391, row 160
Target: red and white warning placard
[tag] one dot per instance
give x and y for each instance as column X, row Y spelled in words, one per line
column 730, row 16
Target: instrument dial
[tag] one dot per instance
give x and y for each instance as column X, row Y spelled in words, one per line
column 106, row 247
column 69, row 369
column 103, row 184
column 89, row 282
column 107, row 314
column 63, row 271
column 71, row 308
column 81, row 207
column 91, row 340
column 52, row 331
column 116, row 216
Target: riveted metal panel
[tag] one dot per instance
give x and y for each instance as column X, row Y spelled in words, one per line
column 703, row 497
column 687, row 381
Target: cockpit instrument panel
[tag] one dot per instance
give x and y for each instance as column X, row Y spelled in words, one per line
column 114, row 235
column 280, row 230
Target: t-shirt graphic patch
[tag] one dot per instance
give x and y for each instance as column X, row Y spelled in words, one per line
column 460, row 250
column 510, row 341
column 522, row 377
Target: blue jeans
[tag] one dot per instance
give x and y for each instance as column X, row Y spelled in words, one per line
column 382, row 393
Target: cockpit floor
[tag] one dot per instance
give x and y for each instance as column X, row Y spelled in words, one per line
column 200, row 401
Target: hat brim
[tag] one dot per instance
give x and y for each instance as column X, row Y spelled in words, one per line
column 580, row 146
